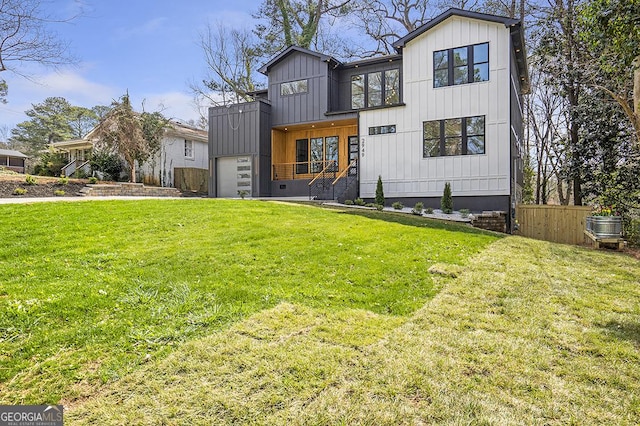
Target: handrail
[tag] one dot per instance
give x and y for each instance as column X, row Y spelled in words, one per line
column 322, row 172
column 344, row 172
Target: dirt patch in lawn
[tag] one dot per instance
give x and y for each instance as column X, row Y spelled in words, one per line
column 44, row 186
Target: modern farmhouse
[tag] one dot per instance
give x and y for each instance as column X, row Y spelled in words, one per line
column 446, row 108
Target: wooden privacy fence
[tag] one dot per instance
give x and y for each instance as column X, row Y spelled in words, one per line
column 191, row 179
column 558, row 224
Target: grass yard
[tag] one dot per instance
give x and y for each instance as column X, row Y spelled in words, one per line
column 93, row 292
column 530, row 333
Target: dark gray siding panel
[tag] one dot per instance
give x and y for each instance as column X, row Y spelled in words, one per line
column 301, row 107
column 343, row 102
column 242, row 129
column 517, row 126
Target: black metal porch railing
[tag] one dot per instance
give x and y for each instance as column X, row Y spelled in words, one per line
column 321, row 186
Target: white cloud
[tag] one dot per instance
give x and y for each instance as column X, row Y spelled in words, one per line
column 70, row 85
column 178, row 105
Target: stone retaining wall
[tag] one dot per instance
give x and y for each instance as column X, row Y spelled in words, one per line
column 491, row 221
column 128, row 190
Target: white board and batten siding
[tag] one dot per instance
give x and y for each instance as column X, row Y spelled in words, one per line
column 398, row 157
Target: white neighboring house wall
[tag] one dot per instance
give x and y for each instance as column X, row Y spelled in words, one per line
column 398, row 157
column 161, row 169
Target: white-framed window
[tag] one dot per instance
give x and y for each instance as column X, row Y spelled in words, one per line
column 188, row 149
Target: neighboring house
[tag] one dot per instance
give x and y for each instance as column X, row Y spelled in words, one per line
column 182, row 147
column 446, row 108
column 12, row 160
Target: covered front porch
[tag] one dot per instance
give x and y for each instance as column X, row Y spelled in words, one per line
column 312, row 155
column 78, row 153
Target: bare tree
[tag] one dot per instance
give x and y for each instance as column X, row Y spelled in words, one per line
column 294, row 22
column 25, row 37
column 231, row 58
column 385, row 21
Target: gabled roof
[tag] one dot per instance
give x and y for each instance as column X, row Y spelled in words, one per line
column 12, row 153
column 517, row 36
column 292, row 49
column 186, row 131
column 399, row 44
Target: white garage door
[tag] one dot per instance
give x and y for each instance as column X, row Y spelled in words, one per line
column 234, row 174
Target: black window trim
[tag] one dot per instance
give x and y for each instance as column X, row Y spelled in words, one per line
column 464, row 135
column 450, row 65
column 383, row 86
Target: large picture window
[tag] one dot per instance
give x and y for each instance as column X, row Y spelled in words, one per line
column 461, row 65
column 454, row 136
column 313, row 155
column 375, row 89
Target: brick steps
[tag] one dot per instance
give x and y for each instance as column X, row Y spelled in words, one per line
column 128, row 190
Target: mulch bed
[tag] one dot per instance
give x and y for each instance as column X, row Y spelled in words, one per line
column 44, row 187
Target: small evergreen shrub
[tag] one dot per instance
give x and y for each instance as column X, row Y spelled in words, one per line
column 63, row 180
column 243, row 193
column 30, row 180
column 446, row 202
column 397, row 205
column 359, row 202
column 19, row 191
column 379, row 192
column 429, row 210
column 464, row 212
column 370, row 205
column 58, row 192
column 379, row 207
column 349, row 202
column 417, row 209
column 93, row 180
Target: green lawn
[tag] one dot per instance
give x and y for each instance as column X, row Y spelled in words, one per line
column 91, row 292
column 530, row 333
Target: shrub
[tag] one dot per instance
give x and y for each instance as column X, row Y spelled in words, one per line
column 632, row 231
column 243, row 193
column 58, row 192
column 107, row 163
column 464, row 212
column 50, row 164
column 370, row 205
column 379, row 207
column 93, row 180
column 379, row 192
column 417, row 209
column 30, row 180
column 63, row 180
column 397, row 205
column 446, row 202
column 349, row 202
column 19, row 191
column 359, row 202
column 429, row 210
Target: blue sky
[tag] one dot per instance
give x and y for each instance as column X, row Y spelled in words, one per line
column 148, row 47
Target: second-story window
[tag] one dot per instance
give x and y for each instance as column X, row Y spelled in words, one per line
column 461, row 65
column 375, row 89
column 294, row 87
